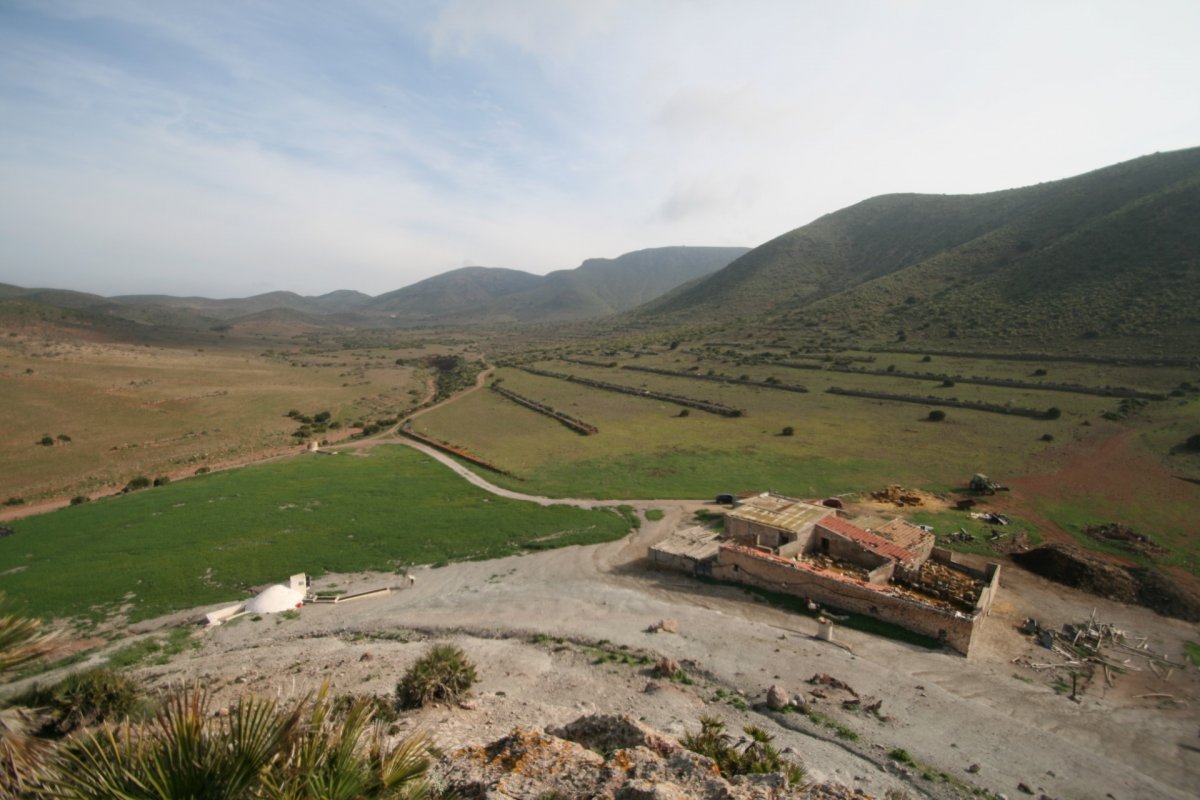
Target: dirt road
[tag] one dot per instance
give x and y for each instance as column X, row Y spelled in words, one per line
column 947, row 712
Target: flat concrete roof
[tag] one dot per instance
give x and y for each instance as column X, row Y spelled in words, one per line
column 698, row 543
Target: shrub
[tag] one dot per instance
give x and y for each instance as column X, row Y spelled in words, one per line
column 1039, row 373
column 1047, row 437
column 15, row 501
column 140, row 482
column 757, row 758
column 1192, row 443
column 937, row 415
column 162, row 480
column 683, row 413
column 202, row 470
column 80, row 499
column 788, row 431
column 46, row 441
column 87, row 698
column 444, row 674
column 1054, row 412
column 62, row 437
column 946, row 384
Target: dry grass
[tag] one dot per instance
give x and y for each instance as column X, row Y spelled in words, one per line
column 132, row 410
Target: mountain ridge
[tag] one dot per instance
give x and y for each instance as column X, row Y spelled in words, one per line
column 1111, row 252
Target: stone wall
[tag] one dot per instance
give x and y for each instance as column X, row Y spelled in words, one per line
column 745, row 565
column 847, row 549
column 988, row 572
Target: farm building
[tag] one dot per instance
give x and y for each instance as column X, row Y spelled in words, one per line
column 893, row 573
column 692, row 550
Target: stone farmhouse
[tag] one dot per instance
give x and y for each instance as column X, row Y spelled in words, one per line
column 894, row 573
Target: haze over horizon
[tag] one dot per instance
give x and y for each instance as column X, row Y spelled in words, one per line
column 229, row 150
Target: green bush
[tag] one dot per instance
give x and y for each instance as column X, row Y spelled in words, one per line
column 444, row 674
column 80, row 499
column 1192, row 443
column 87, row 698
column 758, row 757
column 937, row 415
column 140, row 482
column 788, row 431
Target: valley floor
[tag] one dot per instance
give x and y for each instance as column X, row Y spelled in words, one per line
column 947, row 712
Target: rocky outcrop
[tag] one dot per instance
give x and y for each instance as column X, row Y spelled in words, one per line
column 598, row 756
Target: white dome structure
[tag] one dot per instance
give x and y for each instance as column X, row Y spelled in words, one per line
column 274, row 599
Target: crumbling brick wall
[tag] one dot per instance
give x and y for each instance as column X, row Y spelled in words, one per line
column 745, row 565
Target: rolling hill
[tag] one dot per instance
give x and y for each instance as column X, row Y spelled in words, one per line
column 597, row 288
column 471, row 295
column 1112, row 256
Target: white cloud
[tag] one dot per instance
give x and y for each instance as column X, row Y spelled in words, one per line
column 152, row 147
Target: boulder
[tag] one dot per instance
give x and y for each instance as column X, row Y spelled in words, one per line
column 777, row 698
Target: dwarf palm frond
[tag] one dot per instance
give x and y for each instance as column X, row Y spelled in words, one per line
column 257, row 751
column 21, row 641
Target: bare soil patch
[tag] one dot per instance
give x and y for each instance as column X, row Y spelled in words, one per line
column 568, row 632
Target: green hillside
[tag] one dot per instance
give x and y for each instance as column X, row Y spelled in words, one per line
column 1111, row 258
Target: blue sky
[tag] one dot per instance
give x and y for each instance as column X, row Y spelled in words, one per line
column 231, row 148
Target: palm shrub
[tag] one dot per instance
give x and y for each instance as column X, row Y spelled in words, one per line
column 258, row 751
column 21, row 640
column 444, row 674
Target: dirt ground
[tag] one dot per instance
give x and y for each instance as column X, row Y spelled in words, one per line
column 948, row 712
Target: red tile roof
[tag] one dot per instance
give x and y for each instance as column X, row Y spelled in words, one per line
column 867, row 539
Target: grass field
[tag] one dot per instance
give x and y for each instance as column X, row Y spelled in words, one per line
column 841, row 445
column 208, row 539
column 130, row 410
column 645, row 449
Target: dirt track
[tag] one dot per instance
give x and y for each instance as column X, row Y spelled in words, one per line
column 945, row 710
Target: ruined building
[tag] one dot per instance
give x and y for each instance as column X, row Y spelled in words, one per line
column 894, row 573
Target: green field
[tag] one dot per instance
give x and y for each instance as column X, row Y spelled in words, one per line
column 209, row 538
column 848, row 445
column 645, row 449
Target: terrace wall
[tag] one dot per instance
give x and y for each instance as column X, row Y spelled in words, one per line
column 742, row 564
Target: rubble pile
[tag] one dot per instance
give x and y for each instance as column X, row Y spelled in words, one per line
column 1124, row 537
column 1071, row 566
column 952, row 587
column 897, row 496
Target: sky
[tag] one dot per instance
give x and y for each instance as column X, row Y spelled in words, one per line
column 230, row 147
